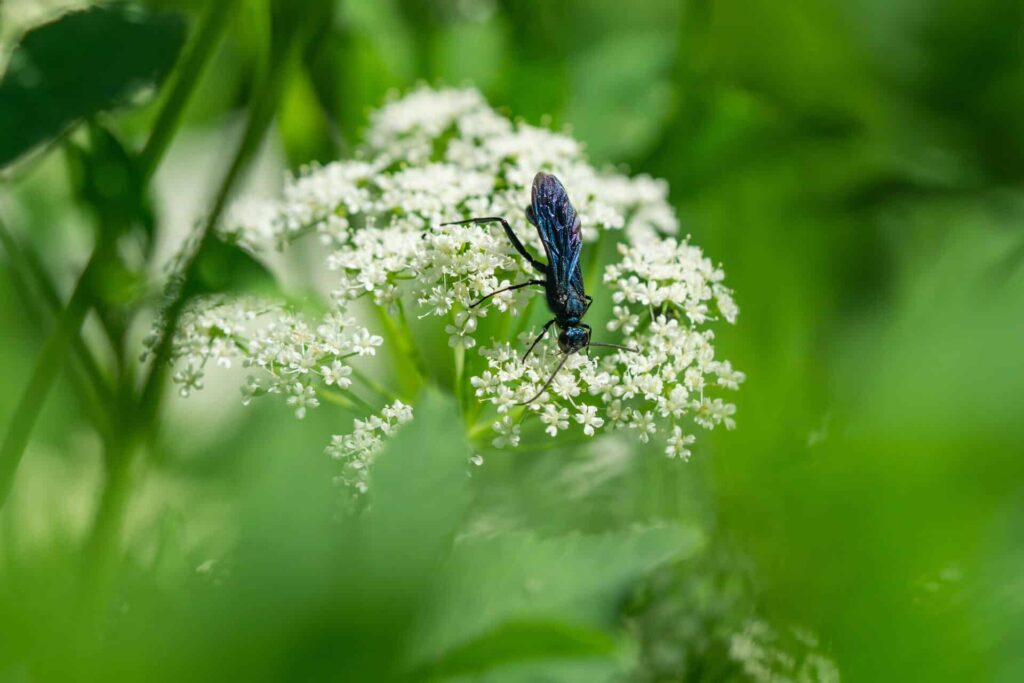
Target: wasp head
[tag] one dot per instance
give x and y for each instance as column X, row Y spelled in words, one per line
column 574, row 338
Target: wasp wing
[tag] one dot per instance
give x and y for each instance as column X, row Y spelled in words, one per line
column 559, row 229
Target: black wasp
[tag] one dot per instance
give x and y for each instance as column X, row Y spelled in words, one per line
column 556, row 221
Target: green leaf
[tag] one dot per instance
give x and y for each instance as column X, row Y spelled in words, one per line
column 520, row 641
column 418, row 488
column 81, row 64
column 107, row 178
column 577, row 579
column 226, row 267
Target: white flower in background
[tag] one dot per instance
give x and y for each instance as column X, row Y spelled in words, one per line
column 435, row 156
column 356, row 451
column 284, row 352
column 768, row 655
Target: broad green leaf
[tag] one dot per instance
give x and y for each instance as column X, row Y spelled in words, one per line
column 81, row 64
column 575, row 579
column 519, row 641
column 418, row 487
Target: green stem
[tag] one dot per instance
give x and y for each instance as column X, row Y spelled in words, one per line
column 375, row 386
column 417, row 359
column 349, row 402
column 460, row 371
column 550, row 444
column 406, row 370
column 104, row 542
column 101, row 547
column 478, row 430
column 51, row 358
column 190, row 70
column 261, row 113
column 596, row 259
column 89, row 384
column 51, row 300
column 483, row 426
column 70, row 320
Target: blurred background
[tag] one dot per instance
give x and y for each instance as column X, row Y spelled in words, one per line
column 858, row 168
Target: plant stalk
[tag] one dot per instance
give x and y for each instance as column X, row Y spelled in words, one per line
column 50, row 360
column 191, row 69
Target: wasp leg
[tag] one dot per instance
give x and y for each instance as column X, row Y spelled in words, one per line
column 510, row 288
column 537, row 265
column 546, row 384
column 540, row 336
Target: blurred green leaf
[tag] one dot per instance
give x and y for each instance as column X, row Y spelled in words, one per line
column 227, row 267
column 576, row 579
column 302, row 123
column 78, row 65
column 418, row 488
column 107, row 178
column 517, row 641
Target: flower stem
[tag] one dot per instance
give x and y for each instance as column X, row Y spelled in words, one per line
column 409, row 377
column 50, row 360
column 417, row 358
column 460, row 371
column 349, row 402
column 261, row 113
column 375, row 386
column 477, row 430
column 103, row 542
column 142, row 408
column 86, row 375
column 210, row 30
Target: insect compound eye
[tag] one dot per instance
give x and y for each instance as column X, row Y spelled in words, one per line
column 563, row 342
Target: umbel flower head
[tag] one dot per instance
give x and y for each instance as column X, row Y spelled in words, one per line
column 437, row 156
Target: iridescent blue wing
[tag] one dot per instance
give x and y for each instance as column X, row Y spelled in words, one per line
column 559, row 229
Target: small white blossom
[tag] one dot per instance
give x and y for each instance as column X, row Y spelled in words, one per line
column 365, row 344
column 554, row 418
column 508, row 433
column 337, row 374
column 301, row 396
column 769, row 655
column 587, row 416
column 357, row 450
column 679, row 443
column 283, row 350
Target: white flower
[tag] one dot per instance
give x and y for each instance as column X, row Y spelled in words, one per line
column 365, row 344
column 587, row 416
column 644, row 424
column 337, row 374
column 269, row 340
column 508, row 433
column 190, row 378
column 357, row 450
column 679, row 443
column 767, row 654
column 301, row 396
column 555, row 418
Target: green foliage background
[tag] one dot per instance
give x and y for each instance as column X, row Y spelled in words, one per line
column 857, row 167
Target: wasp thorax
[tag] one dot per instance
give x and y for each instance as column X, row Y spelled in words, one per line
column 573, row 339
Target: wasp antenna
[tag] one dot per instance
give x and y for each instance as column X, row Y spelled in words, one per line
column 615, row 346
column 546, row 384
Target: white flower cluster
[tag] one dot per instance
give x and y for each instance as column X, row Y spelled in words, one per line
column 292, row 357
column 436, row 156
column 661, row 289
column 767, row 655
column 356, row 451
